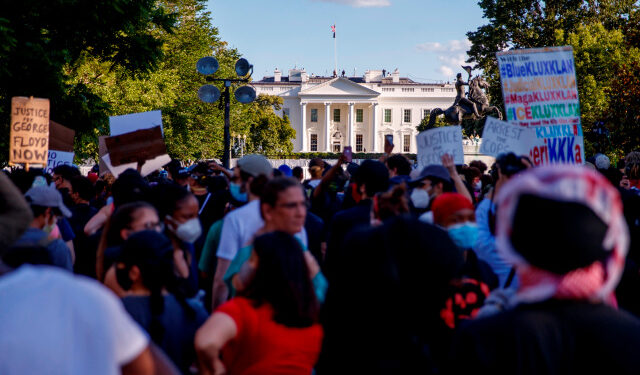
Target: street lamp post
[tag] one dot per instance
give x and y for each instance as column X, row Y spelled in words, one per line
column 210, row 94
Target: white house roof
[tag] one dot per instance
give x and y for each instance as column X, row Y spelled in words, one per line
column 339, row 86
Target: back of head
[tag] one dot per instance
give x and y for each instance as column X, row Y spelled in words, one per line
column 67, row 172
column 510, row 164
column 316, row 172
column 166, row 198
column 282, row 280
column 585, row 236
column 129, row 187
column 400, row 163
column 479, row 164
column 83, row 187
column 152, row 253
column 374, row 175
column 632, row 165
column 297, row 172
column 391, row 203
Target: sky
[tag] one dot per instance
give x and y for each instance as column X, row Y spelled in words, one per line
column 424, row 39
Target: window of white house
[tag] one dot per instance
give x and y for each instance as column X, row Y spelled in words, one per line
column 336, row 147
column 447, row 89
column 427, row 89
column 388, row 89
column 314, row 115
column 407, row 89
column 267, row 89
column 387, row 115
column 407, row 115
column 426, row 113
column 336, row 115
column 359, row 115
column 406, row 146
column 286, row 111
column 314, row 143
column 358, row 142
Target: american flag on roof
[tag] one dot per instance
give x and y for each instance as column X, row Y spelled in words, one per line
column 333, row 29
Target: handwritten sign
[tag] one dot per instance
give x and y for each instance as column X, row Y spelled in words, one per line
column 135, row 147
column 56, row 158
column 29, row 130
column 501, row 136
column 539, row 89
column 135, row 121
column 434, row 143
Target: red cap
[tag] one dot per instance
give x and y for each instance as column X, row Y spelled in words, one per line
column 93, row 177
column 447, row 204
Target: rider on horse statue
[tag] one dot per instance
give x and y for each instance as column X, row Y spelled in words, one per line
column 461, row 98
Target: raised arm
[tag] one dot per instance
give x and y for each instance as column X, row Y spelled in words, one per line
column 447, row 162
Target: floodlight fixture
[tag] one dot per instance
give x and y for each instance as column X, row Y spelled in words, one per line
column 243, row 67
column 207, row 65
column 245, row 94
column 209, row 93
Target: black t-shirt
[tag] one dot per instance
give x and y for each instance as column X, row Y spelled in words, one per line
column 179, row 327
column 551, row 337
column 85, row 251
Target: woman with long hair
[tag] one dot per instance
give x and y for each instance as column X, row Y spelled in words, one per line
column 145, row 271
column 272, row 326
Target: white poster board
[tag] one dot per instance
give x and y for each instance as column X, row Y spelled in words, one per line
column 148, row 167
column 135, row 121
column 540, row 90
column 434, row 143
column 56, row 158
column 500, row 136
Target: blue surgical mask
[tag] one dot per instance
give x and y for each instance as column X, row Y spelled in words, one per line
column 464, row 235
column 234, row 189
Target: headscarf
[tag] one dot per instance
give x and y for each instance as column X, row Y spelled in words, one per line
column 596, row 272
column 447, row 204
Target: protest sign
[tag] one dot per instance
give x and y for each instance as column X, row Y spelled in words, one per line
column 539, row 89
column 501, row 136
column 56, row 158
column 102, row 151
column 135, row 147
column 61, row 138
column 146, row 169
column 29, row 137
column 434, row 143
column 135, row 121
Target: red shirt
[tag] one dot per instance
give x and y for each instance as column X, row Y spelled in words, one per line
column 263, row 346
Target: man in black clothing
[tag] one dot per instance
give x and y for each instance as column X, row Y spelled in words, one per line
column 372, row 177
column 81, row 193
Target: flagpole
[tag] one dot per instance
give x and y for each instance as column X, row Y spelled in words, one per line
column 335, row 51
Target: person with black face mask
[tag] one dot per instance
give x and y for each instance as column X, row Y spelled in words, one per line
column 144, row 270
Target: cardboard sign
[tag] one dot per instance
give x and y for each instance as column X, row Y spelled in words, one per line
column 135, row 121
column 539, row 89
column 29, row 138
column 56, row 158
column 135, row 147
column 501, row 136
column 60, row 137
column 102, row 151
column 434, row 143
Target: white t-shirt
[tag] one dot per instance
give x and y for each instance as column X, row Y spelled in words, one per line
column 240, row 226
column 52, row 322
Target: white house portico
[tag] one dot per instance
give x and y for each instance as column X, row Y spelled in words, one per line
column 329, row 113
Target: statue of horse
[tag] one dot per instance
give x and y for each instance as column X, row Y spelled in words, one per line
column 456, row 113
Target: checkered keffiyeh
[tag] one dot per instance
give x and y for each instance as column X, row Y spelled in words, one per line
column 568, row 183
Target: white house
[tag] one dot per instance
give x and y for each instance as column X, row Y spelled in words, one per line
column 329, row 113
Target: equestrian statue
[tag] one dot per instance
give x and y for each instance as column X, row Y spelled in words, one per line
column 473, row 106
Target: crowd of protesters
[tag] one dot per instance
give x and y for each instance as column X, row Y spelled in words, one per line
column 377, row 267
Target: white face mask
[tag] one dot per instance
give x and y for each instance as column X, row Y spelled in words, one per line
column 420, row 198
column 189, row 231
column 477, row 186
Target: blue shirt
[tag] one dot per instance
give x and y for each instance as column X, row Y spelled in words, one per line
column 59, row 253
column 485, row 246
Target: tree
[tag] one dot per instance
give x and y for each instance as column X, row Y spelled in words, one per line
column 623, row 115
column 39, row 39
column 269, row 133
column 534, row 23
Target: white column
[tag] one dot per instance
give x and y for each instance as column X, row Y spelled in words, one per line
column 350, row 131
column 303, row 127
column 327, row 127
column 374, row 130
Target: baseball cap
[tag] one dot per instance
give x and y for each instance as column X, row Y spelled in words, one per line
column 47, row 196
column 255, row 165
column 433, row 171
